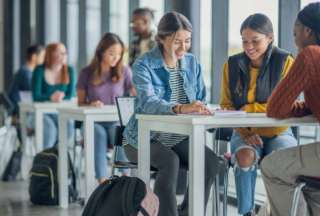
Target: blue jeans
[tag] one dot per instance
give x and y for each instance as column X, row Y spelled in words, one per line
column 246, row 180
column 104, row 134
column 50, row 130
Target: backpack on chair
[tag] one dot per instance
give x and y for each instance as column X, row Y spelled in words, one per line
column 122, row 196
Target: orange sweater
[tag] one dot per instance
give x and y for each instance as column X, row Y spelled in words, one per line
column 304, row 76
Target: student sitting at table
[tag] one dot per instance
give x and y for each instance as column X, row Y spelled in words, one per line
column 144, row 40
column 169, row 81
column 54, row 81
column 22, row 82
column 281, row 169
column 99, row 84
column 248, row 80
column 23, row 78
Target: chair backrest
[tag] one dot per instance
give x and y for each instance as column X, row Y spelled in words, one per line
column 125, row 107
column 6, row 109
column 224, row 134
column 6, row 102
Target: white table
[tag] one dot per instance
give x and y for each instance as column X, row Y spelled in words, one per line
column 88, row 115
column 195, row 126
column 39, row 109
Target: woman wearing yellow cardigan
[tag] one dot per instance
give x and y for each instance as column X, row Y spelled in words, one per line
column 248, row 80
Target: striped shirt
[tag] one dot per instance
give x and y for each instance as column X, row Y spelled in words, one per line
column 178, row 95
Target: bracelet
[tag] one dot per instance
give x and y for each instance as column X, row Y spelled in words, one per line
column 176, row 109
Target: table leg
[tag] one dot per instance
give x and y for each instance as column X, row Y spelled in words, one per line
column 144, row 151
column 39, row 130
column 63, row 162
column 90, row 181
column 23, row 126
column 196, row 169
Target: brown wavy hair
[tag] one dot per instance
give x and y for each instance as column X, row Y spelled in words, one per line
column 108, row 40
column 49, row 61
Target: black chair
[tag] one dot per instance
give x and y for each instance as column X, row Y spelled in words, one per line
column 303, row 182
column 125, row 107
column 221, row 134
column 7, row 103
column 224, row 134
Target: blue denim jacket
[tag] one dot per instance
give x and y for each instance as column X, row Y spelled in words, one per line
column 151, row 81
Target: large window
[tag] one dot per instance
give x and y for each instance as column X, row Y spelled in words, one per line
column 240, row 10
column 306, row 2
column 205, row 42
column 73, row 31
column 93, row 31
column 157, row 6
column 119, row 19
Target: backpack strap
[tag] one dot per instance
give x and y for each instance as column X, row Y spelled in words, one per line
column 97, row 197
column 132, row 195
column 143, row 211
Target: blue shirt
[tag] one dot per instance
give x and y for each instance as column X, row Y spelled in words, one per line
column 21, row 82
column 151, row 81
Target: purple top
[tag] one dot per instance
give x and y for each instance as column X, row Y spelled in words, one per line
column 107, row 90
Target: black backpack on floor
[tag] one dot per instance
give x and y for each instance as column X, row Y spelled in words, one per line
column 44, row 187
column 119, row 196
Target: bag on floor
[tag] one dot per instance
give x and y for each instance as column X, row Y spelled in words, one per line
column 10, row 154
column 122, row 196
column 44, row 188
column 13, row 167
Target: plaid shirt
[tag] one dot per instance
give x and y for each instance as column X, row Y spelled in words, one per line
column 135, row 47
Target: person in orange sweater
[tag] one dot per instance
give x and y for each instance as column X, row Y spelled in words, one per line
column 281, row 169
column 248, row 80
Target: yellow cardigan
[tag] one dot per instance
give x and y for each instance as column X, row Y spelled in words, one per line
column 252, row 106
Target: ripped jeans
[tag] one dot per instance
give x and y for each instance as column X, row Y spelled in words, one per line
column 245, row 179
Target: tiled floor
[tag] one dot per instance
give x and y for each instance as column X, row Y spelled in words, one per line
column 14, row 201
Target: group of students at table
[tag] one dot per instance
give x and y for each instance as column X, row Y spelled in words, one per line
column 167, row 80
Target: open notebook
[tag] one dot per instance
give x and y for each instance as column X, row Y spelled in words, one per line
column 225, row 113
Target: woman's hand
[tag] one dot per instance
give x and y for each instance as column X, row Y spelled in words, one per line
column 57, row 96
column 195, row 107
column 254, row 140
column 299, row 109
column 97, row 103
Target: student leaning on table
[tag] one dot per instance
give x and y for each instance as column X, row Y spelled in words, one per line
column 248, row 80
column 99, row 84
column 169, row 81
column 280, row 169
column 54, row 81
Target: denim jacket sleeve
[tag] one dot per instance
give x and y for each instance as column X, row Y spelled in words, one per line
column 148, row 101
column 201, row 88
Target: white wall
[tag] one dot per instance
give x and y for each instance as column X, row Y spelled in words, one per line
column 1, row 46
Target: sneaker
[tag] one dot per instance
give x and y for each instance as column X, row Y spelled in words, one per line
column 251, row 213
column 182, row 211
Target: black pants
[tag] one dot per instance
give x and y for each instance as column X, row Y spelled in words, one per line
column 167, row 161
